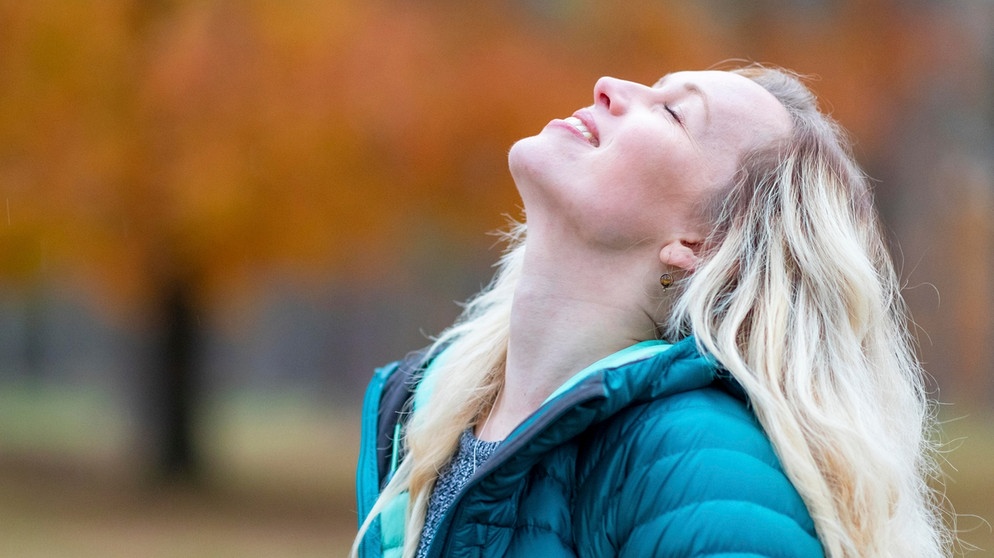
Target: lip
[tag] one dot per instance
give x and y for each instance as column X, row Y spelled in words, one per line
column 587, row 118
column 584, row 116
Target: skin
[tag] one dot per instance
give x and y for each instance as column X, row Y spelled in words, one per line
column 607, row 218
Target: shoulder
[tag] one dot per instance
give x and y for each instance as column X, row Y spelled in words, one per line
column 694, row 474
column 696, row 421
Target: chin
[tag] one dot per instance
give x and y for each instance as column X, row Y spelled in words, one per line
column 528, row 160
column 518, row 150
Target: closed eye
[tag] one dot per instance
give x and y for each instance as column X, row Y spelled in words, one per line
column 674, row 114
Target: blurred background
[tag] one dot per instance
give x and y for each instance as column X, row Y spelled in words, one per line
column 217, row 217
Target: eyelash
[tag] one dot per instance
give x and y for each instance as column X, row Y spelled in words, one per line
column 674, row 114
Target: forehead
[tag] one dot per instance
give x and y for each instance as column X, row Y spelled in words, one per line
column 735, row 100
column 725, row 86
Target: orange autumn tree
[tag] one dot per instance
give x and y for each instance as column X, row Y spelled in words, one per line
column 160, row 154
column 157, row 154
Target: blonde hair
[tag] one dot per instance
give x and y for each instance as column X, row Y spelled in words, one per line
column 798, row 299
column 472, row 373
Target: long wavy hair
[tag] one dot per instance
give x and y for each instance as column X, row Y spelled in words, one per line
column 798, row 299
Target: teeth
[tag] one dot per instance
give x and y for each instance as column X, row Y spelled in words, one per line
column 578, row 124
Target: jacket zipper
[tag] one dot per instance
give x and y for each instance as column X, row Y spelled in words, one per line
column 583, row 392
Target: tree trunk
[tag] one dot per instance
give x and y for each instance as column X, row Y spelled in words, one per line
column 175, row 384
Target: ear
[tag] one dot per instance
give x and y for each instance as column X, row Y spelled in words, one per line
column 680, row 253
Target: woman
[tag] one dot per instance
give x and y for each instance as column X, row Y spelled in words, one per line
column 700, row 349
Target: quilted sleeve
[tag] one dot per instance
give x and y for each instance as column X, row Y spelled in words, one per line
column 691, row 475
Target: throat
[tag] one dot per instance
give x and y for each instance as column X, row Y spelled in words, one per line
column 551, row 339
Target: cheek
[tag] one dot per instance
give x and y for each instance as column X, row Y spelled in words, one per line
column 657, row 154
column 622, row 213
column 649, row 196
column 654, row 172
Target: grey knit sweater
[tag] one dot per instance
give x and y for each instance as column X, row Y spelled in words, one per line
column 472, row 453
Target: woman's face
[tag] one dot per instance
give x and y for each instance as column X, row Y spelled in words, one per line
column 635, row 165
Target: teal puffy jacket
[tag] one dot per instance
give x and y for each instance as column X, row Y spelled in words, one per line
column 648, row 452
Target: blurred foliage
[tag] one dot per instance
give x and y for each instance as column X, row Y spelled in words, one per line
column 145, row 144
column 140, row 138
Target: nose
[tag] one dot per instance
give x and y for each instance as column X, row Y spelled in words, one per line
column 614, row 94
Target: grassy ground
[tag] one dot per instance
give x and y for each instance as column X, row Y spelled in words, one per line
column 54, row 513
column 970, row 484
column 280, row 484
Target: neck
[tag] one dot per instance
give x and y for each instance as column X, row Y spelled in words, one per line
column 562, row 320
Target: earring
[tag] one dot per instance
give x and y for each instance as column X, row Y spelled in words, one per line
column 666, row 280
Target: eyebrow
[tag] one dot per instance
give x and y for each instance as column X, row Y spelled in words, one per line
column 705, row 100
column 696, row 90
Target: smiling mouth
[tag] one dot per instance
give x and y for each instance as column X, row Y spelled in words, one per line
column 582, row 128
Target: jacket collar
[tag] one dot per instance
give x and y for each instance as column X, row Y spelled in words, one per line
column 632, row 366
column 643, row 372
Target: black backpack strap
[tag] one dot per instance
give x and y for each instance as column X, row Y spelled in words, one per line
column 396, row 403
